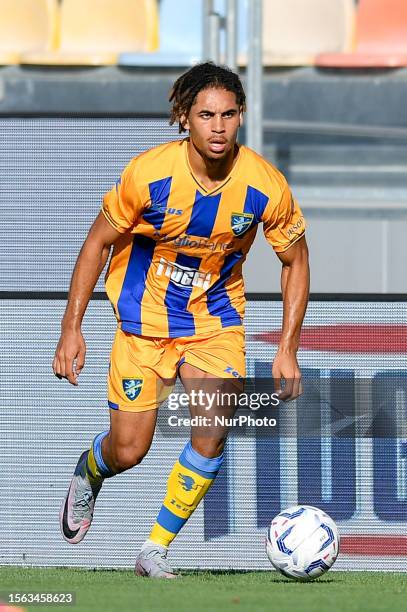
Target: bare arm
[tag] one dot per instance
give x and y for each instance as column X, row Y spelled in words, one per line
column 295, row 289
column 89, row 265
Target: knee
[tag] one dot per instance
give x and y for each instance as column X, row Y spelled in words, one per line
column 125, row 457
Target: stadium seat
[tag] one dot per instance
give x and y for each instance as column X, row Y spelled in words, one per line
column 95, row 32
column 381, row 37
column 174, row 50
column 26, row 25
column 295, row 31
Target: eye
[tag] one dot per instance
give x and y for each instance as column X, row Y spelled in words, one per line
column 205, row 115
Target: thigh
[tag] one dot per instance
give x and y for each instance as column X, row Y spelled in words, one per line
column 132, row 430
column 221, row 354
column 141, row 373
column 213, row 402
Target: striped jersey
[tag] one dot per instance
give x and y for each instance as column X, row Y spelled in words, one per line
column 177, row 268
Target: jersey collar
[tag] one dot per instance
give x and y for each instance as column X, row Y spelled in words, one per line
column 228, row 180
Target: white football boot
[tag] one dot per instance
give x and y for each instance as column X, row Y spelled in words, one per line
column 76, row 512
column 152, row 562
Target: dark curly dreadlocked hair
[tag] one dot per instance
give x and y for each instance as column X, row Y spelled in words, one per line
column 199, row 77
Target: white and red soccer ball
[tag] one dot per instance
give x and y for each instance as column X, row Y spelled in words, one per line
column 302, row 542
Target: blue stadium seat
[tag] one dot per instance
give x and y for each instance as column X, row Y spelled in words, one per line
column 180, row 37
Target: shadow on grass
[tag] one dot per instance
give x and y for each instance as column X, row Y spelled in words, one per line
column 274, row 576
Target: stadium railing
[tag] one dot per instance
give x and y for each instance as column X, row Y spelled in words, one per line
column 95, row 32
column 380, row 40
column 27, row 26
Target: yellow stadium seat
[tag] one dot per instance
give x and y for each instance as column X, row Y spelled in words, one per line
column 295, row 31
column 26, row 26
column 95, row 32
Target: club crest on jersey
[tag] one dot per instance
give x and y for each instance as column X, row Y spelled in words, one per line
column 132, row 387
column 240, row 222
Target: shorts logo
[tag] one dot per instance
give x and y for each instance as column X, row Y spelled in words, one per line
column 240, row 222
column 132, row 387
column 233, row 372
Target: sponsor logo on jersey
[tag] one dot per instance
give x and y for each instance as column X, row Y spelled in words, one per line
column 240, row 222
column 132, row 387
column 163, row 209
column 182, row 275
column 185, row 241
column 295, row 227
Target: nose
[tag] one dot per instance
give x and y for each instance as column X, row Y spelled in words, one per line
column 218, row 125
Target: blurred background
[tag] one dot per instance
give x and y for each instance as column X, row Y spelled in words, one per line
column 84, row 87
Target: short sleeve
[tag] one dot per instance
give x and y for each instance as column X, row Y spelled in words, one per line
column 283, row 224
column 122, row 205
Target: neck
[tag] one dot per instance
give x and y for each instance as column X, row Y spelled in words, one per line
column 211, row 170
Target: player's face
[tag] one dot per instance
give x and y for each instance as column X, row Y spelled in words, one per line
column 213, row 122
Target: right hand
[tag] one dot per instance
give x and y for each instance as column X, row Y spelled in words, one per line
column 69, row 358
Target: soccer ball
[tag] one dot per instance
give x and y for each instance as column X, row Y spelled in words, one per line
column 302, row 542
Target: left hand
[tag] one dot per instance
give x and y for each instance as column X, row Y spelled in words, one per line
column 285, row 366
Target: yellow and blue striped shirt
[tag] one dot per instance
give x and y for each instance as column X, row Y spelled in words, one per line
column 177, row 269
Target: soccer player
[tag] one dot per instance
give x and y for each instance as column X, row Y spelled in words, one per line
column 181, row 220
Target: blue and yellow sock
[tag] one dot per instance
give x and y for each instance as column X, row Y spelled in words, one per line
column 188, row 483
column 95, row 466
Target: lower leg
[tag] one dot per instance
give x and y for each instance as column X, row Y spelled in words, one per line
column 111, row 452
column 189, row 481
column 197, row 467
column 95, row 466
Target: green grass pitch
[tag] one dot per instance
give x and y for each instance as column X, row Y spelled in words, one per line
column 107, row 591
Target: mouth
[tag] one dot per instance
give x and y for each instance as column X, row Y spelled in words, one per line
column 217, row 145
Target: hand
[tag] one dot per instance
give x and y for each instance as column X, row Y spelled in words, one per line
column 69, row 356
column 285, row 366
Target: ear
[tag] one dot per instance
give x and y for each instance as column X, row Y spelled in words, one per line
column 184, row 122
column 240, row 118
